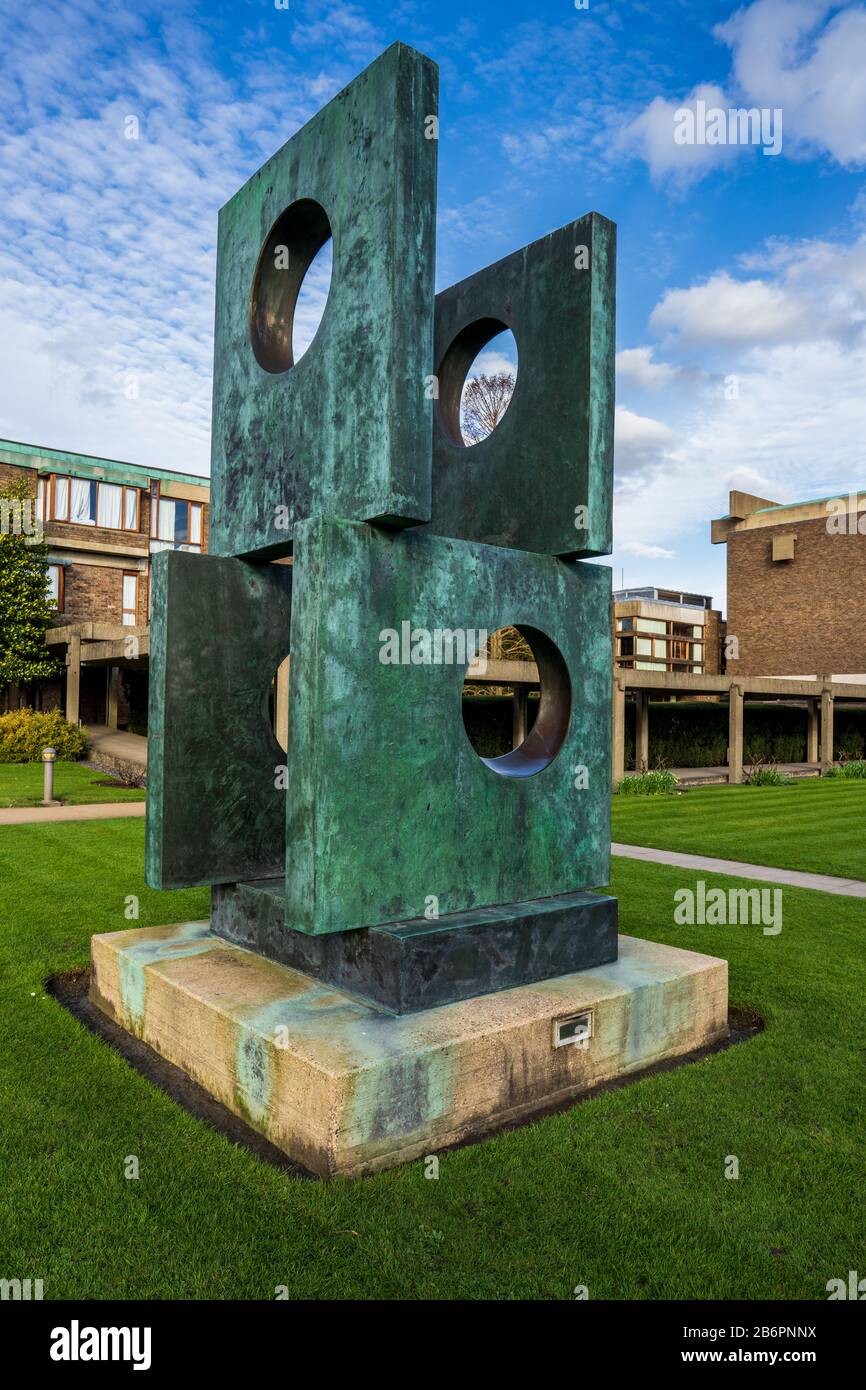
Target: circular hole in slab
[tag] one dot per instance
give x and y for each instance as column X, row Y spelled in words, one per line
column 517, row 725
column 477, row 379
column 290, row 286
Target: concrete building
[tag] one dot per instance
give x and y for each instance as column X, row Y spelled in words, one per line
column 796, row 587
column 103, row 520
column 667, row 630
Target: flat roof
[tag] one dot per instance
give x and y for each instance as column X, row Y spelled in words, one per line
column 677, row 597
column 89, row 465
column 815, row 501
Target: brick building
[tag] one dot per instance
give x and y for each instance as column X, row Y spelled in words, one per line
column 103, row 520
column 667, row 630
column 796, row 587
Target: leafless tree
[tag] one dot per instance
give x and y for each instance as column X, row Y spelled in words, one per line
column 485, row 401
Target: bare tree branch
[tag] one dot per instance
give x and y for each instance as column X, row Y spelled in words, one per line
column 485, row 401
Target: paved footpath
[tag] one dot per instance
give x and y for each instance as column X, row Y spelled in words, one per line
column 824, row 883
column 97, row 810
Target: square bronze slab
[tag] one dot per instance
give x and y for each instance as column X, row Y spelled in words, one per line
column 220, row 628
column 543, row 479
column 388, row 804
column 347, row 430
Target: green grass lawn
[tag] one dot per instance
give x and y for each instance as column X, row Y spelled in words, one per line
column 74, row 785
column 812, row 824
column 625, row 1193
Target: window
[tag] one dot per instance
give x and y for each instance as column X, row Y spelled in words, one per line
column 82, row 502
column 55, row 587
column 177, row 521
column 86, row 502
column 109, row 506
column 130, row 508
column 130, row 599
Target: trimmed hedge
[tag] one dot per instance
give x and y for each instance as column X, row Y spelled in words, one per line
column 25, row 732
column 695, row 733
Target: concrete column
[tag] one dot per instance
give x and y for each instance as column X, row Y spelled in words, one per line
column 812, row 732
column 281, row 702
column 520, row 700
column 826, row 729
column 112, row 696
column 735, row 734
column 618, row 749
column 73, row 678
column 641, row 731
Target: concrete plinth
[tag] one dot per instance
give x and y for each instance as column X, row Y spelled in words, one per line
column 346, row 1088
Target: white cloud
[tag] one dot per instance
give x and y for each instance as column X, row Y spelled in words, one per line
column 725, row 311
column 798, row 55
column 107, row 244
column 806, row 58
column 651, row 135
column 639, row 441
column 636, row 367
column 646, row 552
column 792, row 338
column 810, row 291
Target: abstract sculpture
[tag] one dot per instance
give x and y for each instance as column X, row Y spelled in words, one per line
column 398, row 924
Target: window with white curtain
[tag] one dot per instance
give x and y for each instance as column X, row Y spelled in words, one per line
column 109, row 506
column 82, row 511
column 88, row 503
column 61, row 498
column 177, row 522
column 130, row 599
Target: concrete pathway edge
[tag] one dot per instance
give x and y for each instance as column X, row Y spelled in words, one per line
column 95, row 810
column 794, row 878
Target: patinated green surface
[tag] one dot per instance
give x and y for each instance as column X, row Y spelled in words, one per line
column 347, row 430
column 542, row 480
column 419, row 964
column 388, row 809
column 388, row 802
column 219, row 630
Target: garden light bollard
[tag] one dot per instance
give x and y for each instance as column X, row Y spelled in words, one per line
column 48, row 757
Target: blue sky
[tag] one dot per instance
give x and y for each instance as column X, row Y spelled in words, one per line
column 742, row 277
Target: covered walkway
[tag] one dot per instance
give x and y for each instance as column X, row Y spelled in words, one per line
column 818, row 696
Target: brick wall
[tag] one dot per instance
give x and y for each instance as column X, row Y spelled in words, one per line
column 800, row 616
column 10, row 474
column 713, row 636
column 68, row 534
column 94, row 594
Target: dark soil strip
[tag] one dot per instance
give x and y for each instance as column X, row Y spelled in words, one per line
column 71, row 990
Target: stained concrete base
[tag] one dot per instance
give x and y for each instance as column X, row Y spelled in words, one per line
column 345, row 1088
